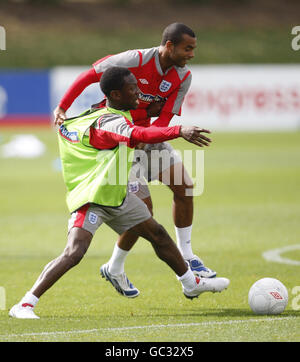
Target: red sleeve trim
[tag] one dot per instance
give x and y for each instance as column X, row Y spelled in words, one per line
column 184, row 78
column 141, row 58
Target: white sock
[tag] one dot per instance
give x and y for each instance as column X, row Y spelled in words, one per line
column 183, row 236
column 29, row 298
column 188, row 280
column 117, row 260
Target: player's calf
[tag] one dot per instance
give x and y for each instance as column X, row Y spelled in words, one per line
column 162, row 244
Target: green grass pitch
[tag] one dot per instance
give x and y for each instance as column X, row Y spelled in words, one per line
column 250, row 204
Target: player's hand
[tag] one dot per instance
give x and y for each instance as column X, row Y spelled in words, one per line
column 59, row 116
column 194, row 135
column 140, row 146
column 154, row 109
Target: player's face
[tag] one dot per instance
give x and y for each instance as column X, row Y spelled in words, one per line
column 181, row 53
column 130, row 93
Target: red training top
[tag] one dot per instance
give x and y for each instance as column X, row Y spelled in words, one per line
column 152, row 82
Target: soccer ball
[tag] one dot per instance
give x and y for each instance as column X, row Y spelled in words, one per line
column 268, row 296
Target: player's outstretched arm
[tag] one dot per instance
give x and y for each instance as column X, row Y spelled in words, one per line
column 77, row 87
column 194, row 135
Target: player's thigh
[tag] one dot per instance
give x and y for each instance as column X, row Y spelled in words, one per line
column 148, row 202
column 166, row 166
column 150, row 230
column 176, row 178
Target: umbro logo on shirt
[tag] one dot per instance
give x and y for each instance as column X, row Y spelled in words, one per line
column 143, row 81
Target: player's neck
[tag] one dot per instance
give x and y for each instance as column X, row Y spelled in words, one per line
column 114, row 105
column 164, row 59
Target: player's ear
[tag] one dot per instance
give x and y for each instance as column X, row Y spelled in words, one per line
column 169, row 45
column 115, row 95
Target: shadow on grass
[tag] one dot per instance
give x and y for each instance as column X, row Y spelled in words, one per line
column 224, row 312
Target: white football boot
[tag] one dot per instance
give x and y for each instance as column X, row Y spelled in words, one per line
column 206, row 285
column 23, row 311
column 199, row 269
column 120, row 282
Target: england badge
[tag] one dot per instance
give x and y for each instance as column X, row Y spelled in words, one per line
column 165, row 86
column 93, row 218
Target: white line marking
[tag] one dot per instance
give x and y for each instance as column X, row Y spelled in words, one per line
column 275, row 255
column 152, row 326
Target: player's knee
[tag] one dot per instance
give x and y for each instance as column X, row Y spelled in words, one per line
column 160, row 235
column 160, row 231
column 74, row 254
column 183, row 192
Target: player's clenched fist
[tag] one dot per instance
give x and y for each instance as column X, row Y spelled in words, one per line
column 59, row 116
column 194, row 135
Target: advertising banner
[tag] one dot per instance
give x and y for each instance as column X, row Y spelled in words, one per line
column 24, row 97
column 243, row 98
column 221, row 97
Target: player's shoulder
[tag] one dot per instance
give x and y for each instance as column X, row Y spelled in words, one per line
column 110, row 118
column 183, row 73
column 147, row 54
column 128, row 59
